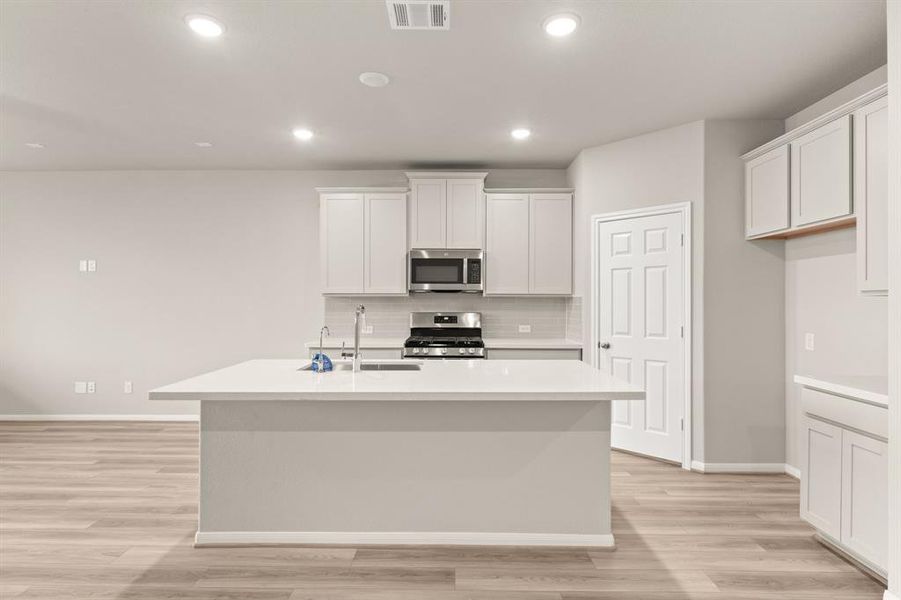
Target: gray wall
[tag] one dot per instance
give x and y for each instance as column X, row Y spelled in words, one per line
column 744, row 352
column 821, row 297
column 195, row 271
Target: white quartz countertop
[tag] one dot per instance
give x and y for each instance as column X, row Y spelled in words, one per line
column 869, row 388
column 438, row 380
column 490, row 342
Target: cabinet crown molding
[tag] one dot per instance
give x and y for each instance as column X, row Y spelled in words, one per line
column 446, row 174
column 841, row 111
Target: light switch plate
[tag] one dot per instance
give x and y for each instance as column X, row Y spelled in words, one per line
column 83, row 266
column 92, row 387
column 127, row 387
column 92, row 265
column 81, row 387
column 525, row 329
column 809, row 341
column 367, row 329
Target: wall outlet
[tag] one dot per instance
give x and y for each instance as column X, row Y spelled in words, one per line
column 92, row 265
column 808, row 341
column 92, row 387
column 525, row 329
column 367, row 329
column 127, row 387
column 81, row 387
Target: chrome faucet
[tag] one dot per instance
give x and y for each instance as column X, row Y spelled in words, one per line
column 358, row 324
column 324, row 331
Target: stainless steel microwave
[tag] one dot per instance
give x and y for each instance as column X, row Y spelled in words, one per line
column 442, row 270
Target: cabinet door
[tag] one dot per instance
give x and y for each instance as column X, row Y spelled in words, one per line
column 507, row 244
column 871, row 195
column 465, row 213
column 341, row 243
column 821, row 173
column 428, row 213
column 385, row 243
column 766, row 193
column 821, row 476
column 865, row 496
column 550, row 244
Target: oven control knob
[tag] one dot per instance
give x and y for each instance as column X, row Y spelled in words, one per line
column 472, row 350
column 462, row 350
column 415, row 350
column 444, row 351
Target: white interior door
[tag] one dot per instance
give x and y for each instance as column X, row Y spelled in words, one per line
column 640, row 303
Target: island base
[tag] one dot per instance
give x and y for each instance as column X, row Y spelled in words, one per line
column 531, row 473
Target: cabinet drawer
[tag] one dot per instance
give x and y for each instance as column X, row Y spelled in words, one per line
column 849, row 413
column 533, row 354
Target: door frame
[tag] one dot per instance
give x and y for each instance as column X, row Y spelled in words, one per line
column 683, row 209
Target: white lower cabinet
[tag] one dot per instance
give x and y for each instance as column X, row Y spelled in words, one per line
column 865, row 496
column 844, row 486
column 821, row 477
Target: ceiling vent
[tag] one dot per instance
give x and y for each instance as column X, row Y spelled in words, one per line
column 419, row 14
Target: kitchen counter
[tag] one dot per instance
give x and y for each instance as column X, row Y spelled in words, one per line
column 470, row 452
column 456, row 380
column 873, row 389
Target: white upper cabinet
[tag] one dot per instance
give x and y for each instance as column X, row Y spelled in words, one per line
column 465, row 213
column 447, row 210
column 871, row 195
column 341, row 243
column 529, row 244
column 428, row 213
column 821, row 173
column 550, row 244
column 826, row 174
column 766, row 193
column 363, row 242
column 385, row 244
column 507, row 244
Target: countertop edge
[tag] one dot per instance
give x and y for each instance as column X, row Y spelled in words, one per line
column 839, row 389
column 395, row 397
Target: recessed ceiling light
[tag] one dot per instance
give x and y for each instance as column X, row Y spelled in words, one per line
column 373, row 79
column 303, row 134
column 203, row 144
column 561, row 25
column 520, row 133
column 34, row 145
column 204, row 26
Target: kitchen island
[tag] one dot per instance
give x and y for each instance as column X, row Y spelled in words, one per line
column 456, row 452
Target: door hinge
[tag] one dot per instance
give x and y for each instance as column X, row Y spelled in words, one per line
column 682, row 331
column 682, row 423
column 681, row 239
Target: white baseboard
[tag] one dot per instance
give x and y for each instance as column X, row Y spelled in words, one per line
column 890, row 596
column 401, row 538
column 793, row 471
column 99, row 417
column 744, row 468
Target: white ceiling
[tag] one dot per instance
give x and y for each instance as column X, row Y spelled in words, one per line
column 121, row 85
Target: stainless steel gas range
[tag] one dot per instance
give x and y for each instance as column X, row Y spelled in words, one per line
column 445, row 335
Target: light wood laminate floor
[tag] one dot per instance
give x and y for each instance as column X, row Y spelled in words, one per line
column 108, row 510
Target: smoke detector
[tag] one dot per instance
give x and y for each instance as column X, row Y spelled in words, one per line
column 419, row 14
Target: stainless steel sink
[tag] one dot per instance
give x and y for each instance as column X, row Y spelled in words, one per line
column 373, row 365
column 392, row 366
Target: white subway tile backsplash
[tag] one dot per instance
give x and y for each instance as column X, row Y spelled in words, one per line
column 501, row 317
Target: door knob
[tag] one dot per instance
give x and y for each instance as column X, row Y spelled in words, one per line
column 605, row 345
